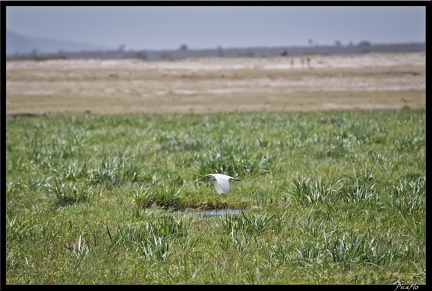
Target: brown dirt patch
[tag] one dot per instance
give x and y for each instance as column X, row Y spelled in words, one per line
column 369, row 81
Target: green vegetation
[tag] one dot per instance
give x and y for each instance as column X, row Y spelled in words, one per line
column 334, row 197
column 37, row 57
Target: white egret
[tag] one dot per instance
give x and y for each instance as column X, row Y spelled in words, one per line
column 221, row 182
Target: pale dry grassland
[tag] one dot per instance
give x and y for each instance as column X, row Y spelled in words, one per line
column 367, row 81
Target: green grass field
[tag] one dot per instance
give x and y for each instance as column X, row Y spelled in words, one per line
column 331, row 197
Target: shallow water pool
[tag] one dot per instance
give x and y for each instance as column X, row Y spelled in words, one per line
column 215, row 211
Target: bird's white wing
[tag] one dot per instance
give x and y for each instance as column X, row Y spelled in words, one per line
column 222, row 176
column 221, row 185
column 218, row 188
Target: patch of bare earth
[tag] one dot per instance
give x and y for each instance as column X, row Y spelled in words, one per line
column 367, row 81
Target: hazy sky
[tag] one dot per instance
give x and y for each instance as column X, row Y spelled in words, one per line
column 144, row 27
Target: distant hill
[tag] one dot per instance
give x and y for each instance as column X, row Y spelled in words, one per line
column 21, row 44
column 24, row 47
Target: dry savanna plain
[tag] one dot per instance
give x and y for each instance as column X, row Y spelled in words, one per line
column 205, row 85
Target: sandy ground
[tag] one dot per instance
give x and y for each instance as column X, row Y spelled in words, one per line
column 216, row 84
